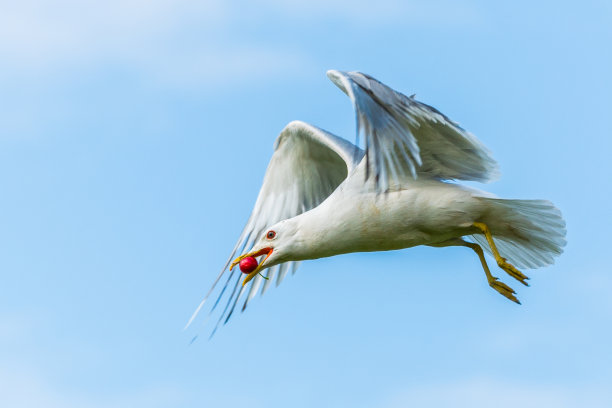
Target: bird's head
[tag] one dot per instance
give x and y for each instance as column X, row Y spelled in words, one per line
column 276, row 243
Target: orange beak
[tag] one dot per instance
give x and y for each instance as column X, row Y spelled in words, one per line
column 266, row 251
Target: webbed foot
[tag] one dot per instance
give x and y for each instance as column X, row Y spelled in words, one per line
column 512, row 271
column 503, row 289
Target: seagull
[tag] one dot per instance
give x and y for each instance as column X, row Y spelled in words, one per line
column 324, row 196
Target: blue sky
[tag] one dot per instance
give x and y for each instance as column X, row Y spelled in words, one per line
column 134, row 136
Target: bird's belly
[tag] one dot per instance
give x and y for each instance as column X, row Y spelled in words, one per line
column 401, row 219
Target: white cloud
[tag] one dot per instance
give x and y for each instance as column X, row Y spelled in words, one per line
column 176, row 43
column 36, row 28
column 185, row 43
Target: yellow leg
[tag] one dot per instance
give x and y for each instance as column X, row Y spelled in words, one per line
column 501, row 262
column 499, row 286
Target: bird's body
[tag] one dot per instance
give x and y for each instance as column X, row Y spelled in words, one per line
column 421, row 212
column 323, row 196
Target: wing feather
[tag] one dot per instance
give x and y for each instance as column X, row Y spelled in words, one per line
column 308, row 164
column 404, row 137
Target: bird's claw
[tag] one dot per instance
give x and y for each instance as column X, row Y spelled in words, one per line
column 503, row 289
column 512, row 271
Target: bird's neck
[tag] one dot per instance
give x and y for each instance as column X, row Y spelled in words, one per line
column 323, row 232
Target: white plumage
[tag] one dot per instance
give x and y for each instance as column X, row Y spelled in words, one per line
column 323, row 196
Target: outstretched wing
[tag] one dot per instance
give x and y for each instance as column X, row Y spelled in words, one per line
column 404, row 137
column 308, row 164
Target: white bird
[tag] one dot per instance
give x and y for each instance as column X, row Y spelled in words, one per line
column 323, row 196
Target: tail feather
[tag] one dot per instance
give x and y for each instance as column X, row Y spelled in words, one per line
column 529, row 233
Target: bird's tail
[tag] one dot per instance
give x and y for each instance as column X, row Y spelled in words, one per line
column 529, row 233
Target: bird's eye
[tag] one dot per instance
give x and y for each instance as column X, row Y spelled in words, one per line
column 271, row 234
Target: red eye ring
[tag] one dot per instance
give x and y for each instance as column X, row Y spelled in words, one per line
column 271, row 234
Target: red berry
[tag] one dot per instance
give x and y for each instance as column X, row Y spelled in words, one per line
column 248, row 264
